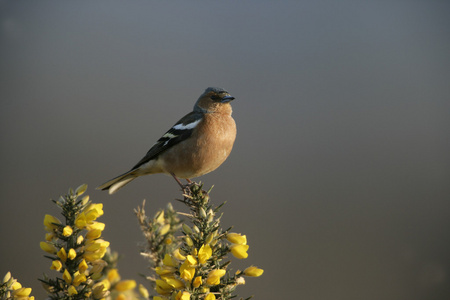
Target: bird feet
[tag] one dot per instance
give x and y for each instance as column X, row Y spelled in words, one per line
column 186, row 188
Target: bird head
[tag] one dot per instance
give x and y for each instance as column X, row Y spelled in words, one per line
column 213, row 100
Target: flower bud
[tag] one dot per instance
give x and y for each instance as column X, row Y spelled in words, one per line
column 253, row 271
column 81, row 189
column 186, row 229
column 202, row 213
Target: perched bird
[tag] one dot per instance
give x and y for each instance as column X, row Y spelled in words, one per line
column 197, row 144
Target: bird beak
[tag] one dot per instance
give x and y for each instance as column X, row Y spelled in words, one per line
column 227, row 99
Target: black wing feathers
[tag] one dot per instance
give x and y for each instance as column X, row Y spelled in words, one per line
column 178, row 133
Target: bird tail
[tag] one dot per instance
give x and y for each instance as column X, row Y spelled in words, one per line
column 118, row 182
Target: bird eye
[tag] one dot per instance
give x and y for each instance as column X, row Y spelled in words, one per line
column 215, row 97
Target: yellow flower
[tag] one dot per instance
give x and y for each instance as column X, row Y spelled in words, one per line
column 164, row 270
column 191, row 260
column 72, row 254
column 93, row 211
column 214, row 276
column 210, row 296
column 183, row 295
column 93, row 234
column 95, row 250
column 125, row 285
column 21, row 292
column 56, row 265
column 82, row 266
column 143, row 291
column 187, row 272
column 239, row 251
column 164, row 230
column 169, row 261
column 163, row 287
column 50, row 236
column 93, row 256
column 79, row 279
column 113, row 276
column 62, row 254
column 197, row 281
column 96, row 225
column 177, row 254
column 67, row 277
column 160, row 217
column 175, row 283
column 50, row 221
column 47, row 247
column 80, row 220
column 72, row 290
column 16, row 285
column 106, row 284
column 253, row 271
column 121, row 297
column 189, row 241
column 67, row 231
column 204, row 253
column 237, row 238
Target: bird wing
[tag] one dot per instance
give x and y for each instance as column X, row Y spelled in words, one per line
column 178, row 133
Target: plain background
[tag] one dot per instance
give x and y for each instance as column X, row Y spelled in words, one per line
column 340, row 175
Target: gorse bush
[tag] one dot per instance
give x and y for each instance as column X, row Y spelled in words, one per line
column 193, row 264
column 188, row 253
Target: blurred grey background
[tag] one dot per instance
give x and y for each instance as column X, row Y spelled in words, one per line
column 340, row 175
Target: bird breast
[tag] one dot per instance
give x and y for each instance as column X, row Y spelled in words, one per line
column 205, row 150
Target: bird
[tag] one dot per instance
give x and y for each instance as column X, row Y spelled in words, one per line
column 196, row 145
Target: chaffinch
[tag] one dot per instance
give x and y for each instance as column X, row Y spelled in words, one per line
column 197, row 144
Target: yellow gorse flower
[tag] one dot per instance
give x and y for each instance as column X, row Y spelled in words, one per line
column 214, row 276
column 197, row 281
column 187, row 266
column 83, row 266
column 177, row 254
column 204, row 253
column 79, row 278
column 143, row 291
column 78, row 249
column 253, row 271
column 125, row 285
column 47, row 247
column 51, row 223
column 67, row 231
column 67, row 277
column 183, row 295
column 237, row 238
column 62, row 254
column 72, row 290
column 72, row 254
column 169, row 261
column 187, row 272
column 21, row 292
column 56, row 265
column 239, row 251
column 10, row 288
column 210, row 296
column 113, row 276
